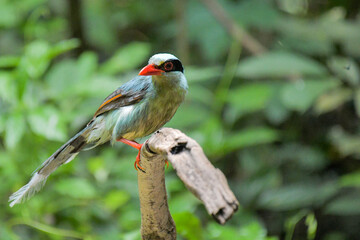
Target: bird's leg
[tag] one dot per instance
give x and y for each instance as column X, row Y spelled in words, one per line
column 138, row 147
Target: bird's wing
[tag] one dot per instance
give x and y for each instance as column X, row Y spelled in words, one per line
column 123, row 96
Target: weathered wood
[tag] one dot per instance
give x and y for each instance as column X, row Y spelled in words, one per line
column 156, row 221
column 190, row 163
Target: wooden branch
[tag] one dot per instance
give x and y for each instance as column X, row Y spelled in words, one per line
column 188, row 159
column 156, row 221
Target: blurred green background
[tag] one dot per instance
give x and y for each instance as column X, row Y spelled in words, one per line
column 282, row 122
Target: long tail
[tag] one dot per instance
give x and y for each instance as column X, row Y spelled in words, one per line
column 62, row 156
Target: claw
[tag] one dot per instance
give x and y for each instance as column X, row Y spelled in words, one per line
column 167, row 164
column 138, row 146
column 137, row 163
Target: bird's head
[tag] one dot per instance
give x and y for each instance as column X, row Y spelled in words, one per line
column 164, row 64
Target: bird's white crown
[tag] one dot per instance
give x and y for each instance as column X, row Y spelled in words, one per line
column 159, row 58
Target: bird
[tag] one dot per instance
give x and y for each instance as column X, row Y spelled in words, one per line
column 136, row 109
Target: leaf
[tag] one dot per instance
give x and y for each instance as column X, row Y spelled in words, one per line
column 86, row 66
column 183, row 202
column 345, row 143
column 62, row 47
column 275, row 110
column 9, row 61
column 76, row 187
column 60, row 77
column 210, row 37
column 300, row 95
column 46, row 122
column 185, row 117
column 188, row 225
column 332, row 100
column 35, row 60
column 250, row 231
column 311, row 223
column 344, row 205
column 115, row 199
column 350, row 179
column 8, row 89
column 279, row 64
column 296, row 196
column 345, row 68
column 249, row 137
column 308, row 158
column 250, row 97
column 126, row 58
column 217, row 232
column 292, row 221
column 196, row 74
column 15, row 129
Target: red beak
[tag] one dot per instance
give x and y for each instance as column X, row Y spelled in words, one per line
column 150, row 70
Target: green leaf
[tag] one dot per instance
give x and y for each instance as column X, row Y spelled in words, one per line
column 345, row 205
column 188, row 226
column 60, row 77
column 62, row 47
column 196, row 74
column 76, row 187
column 249, row 137
column 296, row 196
column 46, row 122
column 350, row 179
column 332, row 100
column 8, row 88
column 291, row 222
column 311, row 222
column 346, row 144
column 126, row 58
column 86, row 66
column 216, row 232
column 36, row 60
column 183, row 202
column 250, row 97
column 9, row 61
column 301, row 94
column 252, row 231
column 185, row 116
column 345, row 68
column 275, row 110
column 15, row 129
column 115, row 199
column 279, row 64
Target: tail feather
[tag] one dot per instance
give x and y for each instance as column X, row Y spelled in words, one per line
column 62, row 156
column 34, row 185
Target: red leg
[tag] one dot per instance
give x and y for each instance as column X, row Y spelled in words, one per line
column 130, row 143
column 138, row 147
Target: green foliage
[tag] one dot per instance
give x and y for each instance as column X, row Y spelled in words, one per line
column 282, row 125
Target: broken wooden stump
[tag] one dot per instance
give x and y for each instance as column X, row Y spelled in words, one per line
column 205, row 181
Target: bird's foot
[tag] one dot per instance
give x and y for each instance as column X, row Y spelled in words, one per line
column 137, row 162
column 136, row 145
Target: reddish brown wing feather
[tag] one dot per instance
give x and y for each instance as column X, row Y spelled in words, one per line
column 119, row 99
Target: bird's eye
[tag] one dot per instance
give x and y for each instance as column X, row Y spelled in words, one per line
column 168, row 66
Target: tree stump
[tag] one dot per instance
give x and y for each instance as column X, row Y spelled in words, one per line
column 205, row 181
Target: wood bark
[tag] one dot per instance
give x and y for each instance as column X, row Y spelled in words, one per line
column 205, row 181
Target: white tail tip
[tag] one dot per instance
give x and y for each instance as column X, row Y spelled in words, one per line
column 28, row 190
